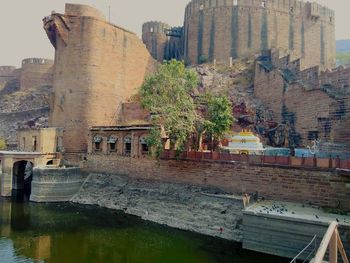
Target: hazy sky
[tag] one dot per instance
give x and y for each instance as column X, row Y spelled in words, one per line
column 22, row 35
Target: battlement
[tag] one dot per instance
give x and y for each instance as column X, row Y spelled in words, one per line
column 295, row 7
column 37, row 61
column 7, row 70
column 83, row 10
column 155, row 27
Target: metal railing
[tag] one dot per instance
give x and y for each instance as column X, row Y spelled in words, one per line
column 312, row 245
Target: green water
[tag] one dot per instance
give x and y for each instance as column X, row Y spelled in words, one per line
column 66, row 232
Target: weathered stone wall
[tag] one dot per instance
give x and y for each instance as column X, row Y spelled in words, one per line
column 184, row 206
column 97, row 67
column 323, row 188
column 220, row 29
column 159, row 44
column 55, row 184
column 36, row 72
column 314, row 103
column 7, row 73
column 133, row 111
column 155, row 39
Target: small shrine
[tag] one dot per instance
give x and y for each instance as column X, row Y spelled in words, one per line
column 245, row 142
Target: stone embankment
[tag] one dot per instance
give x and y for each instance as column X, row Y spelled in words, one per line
column 205, row 210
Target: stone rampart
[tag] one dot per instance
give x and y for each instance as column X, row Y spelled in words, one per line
column 162, row 41
column 220, row 29
column 36, row 72
column 98, row 66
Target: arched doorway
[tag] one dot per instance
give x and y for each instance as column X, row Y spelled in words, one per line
column 49, row 162
column 21, row 179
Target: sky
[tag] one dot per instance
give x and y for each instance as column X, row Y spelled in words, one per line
column 22, row 35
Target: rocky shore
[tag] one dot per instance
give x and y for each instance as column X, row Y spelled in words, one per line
column 207, row 211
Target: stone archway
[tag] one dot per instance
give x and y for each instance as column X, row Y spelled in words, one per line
column 22, row 174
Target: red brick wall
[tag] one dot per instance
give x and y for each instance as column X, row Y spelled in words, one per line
column 321, row 188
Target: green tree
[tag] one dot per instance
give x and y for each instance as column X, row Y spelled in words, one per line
column 167, row 95
column 219, row 117
column 343, row 58
column 2, row 144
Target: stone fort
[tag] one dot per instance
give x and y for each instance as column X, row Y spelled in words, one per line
column 34, row 72
column 223, row 29
column 100, row 66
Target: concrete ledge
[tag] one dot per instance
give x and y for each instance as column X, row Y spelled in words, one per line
column 56, row 184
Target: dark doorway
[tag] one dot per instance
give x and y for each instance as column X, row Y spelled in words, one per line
column 22, row 180
column 49, row 162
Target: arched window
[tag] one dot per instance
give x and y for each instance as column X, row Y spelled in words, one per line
column 263, row 4
column 112, row 143
column 127, row 145
column 144, row 145
column 235, row 2
column 97, row 143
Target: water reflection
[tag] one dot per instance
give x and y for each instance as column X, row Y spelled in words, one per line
column 67, row 232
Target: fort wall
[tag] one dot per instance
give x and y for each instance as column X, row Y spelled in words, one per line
column 159, row 41
column 98, row 66
column 7, row 73
column 220, row 29
column 36, row 72
column 315, row 104
column 155, row 39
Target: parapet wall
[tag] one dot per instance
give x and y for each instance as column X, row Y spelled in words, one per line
column 297, row 7
column 220, row 29
column 155, row 27
column 6, row 71
column 83, row 10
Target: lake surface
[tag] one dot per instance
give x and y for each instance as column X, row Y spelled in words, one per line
column 66, row 232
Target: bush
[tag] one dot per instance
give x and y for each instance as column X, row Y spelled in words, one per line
column 2, row 144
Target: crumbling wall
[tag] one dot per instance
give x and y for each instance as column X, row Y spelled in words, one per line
column 311, row 104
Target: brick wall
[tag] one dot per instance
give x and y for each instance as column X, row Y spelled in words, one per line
column 321, row 188
column 318, row 102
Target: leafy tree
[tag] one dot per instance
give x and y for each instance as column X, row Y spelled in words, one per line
column 343, row 58
column 219, row 117
column 2, row 144
column 167, row 95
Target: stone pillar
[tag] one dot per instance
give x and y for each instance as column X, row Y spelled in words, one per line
column 6, row 177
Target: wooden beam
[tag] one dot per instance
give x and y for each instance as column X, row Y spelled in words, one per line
column 341, row 249
column 324, row 243
column 332, row 248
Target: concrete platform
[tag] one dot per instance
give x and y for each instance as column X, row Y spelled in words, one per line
column 284, row 229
